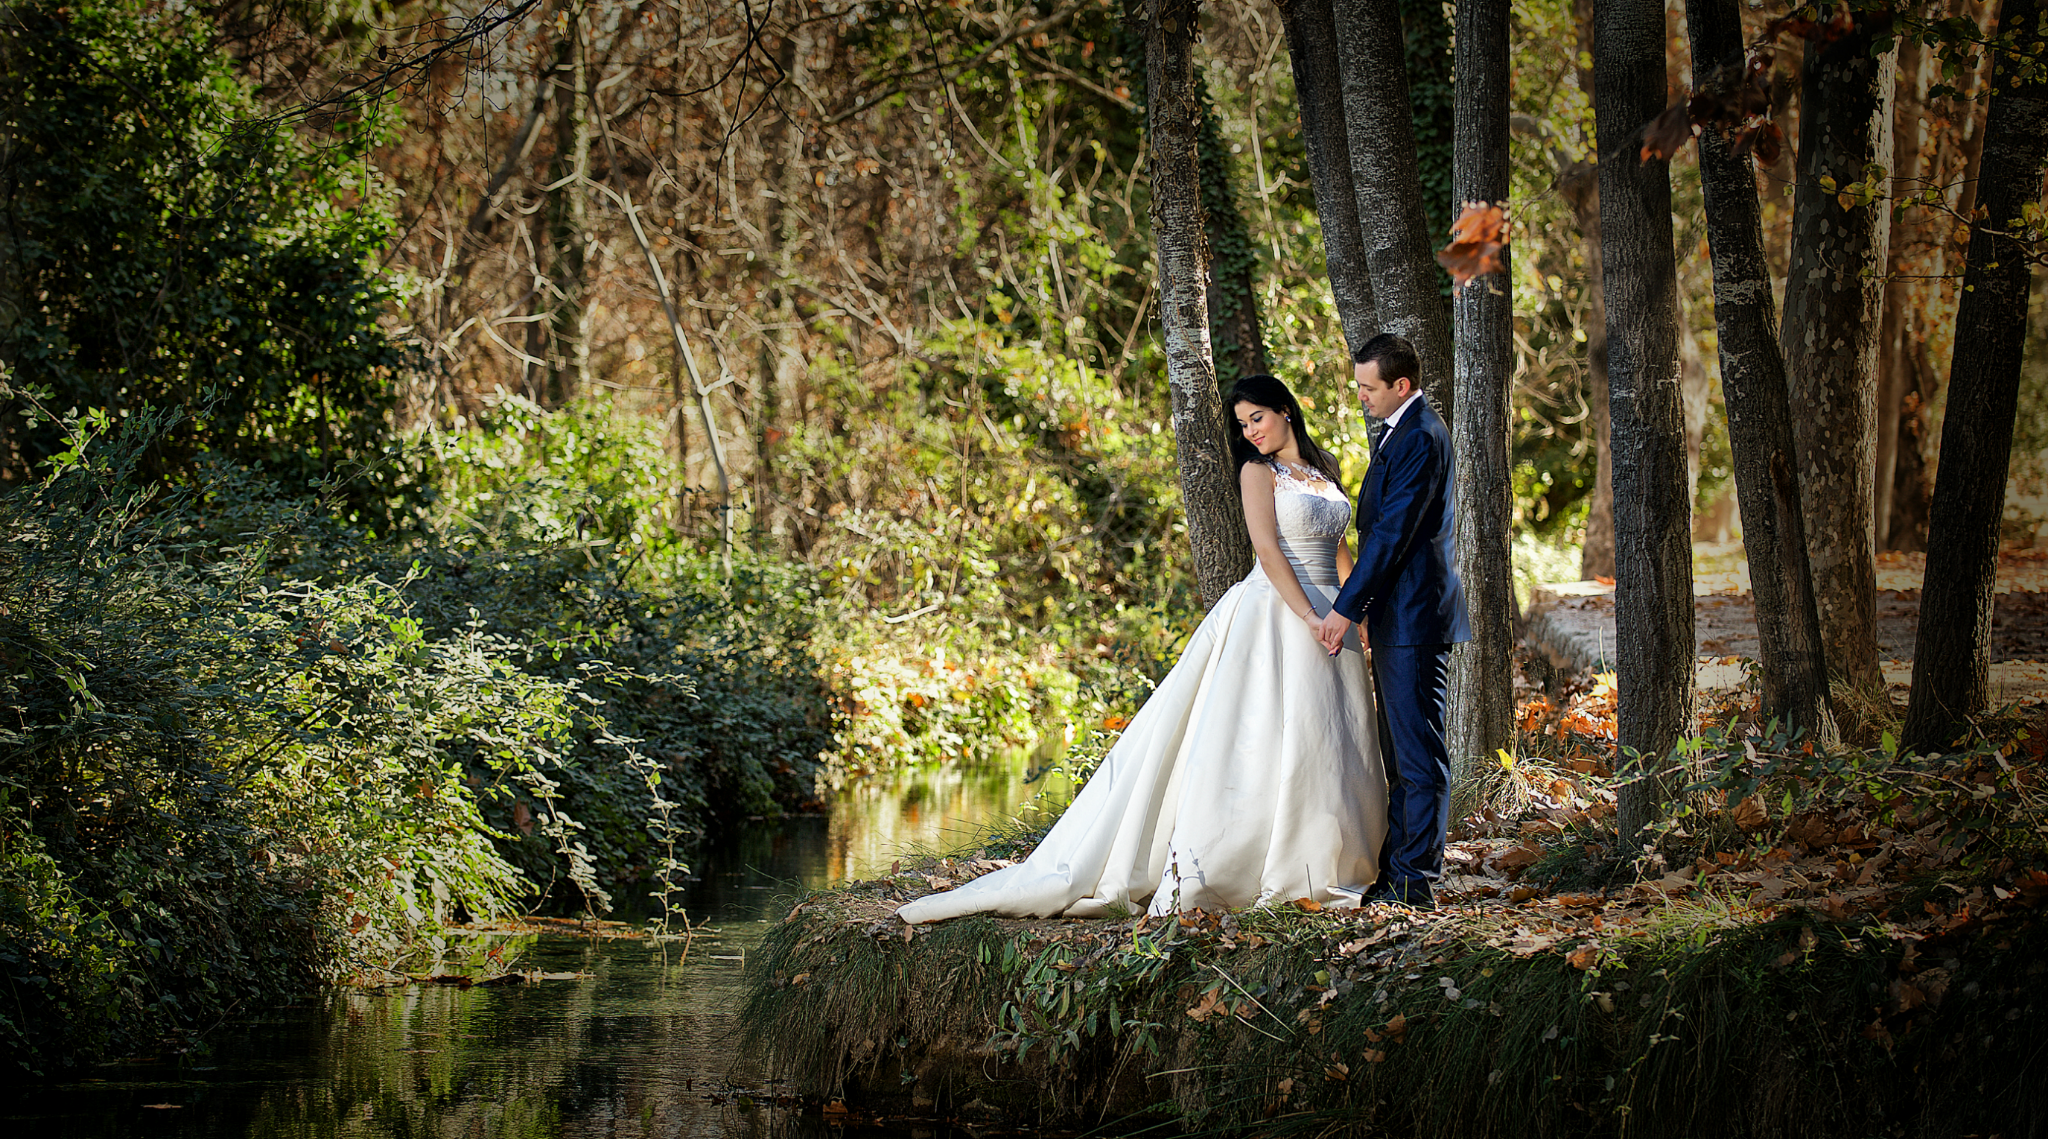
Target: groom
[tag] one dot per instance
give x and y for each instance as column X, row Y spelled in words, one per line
column 1405, row 590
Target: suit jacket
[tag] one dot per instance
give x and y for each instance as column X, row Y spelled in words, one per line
column 1405, row 587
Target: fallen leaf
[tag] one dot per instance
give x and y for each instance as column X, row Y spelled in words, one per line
column 1750, row 813
column 1584, row 957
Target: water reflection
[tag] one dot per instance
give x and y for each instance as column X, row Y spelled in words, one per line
column 644, row 1046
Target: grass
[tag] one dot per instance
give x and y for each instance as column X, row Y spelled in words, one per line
column 1713, row 1018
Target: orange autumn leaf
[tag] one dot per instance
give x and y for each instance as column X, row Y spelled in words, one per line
column 1477, row 240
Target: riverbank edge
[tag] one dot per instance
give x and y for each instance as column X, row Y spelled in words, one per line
column 1713, row 1019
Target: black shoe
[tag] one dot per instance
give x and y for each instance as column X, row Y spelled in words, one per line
column 1414, row 894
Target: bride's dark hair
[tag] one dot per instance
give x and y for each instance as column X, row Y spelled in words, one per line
column 1267, row 391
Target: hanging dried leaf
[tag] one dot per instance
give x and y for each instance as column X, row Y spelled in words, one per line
column 1477, row 239
column 1668, row 133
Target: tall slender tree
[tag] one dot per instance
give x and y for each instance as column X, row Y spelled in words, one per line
column 1319, row 93
column 1951, row 669
column 1215, row 514
column 1834, row 297
column 1652, row 518
column 1395, row 232
column 567, row 225
column 1482, row 677
column 1579, row 183
column 1760, row 432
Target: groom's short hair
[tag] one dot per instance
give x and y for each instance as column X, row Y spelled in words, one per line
column 1395, row 356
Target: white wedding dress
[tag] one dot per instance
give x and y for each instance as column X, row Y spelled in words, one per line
column 1252, row 775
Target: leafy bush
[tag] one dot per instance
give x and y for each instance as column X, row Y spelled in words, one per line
column 165, row 247
column 217, row 785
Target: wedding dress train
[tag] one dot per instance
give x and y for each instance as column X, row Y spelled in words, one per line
column 1252, row 774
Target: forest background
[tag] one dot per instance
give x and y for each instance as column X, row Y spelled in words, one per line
column 453, row 458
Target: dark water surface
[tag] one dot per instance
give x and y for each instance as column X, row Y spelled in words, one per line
column 647, row 1045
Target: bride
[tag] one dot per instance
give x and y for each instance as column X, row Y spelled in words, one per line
column 1252, row 774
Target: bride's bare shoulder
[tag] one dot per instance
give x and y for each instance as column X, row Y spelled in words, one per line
column 1255, row 476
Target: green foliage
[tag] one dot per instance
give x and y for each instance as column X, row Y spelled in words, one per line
column 1426, row 46
column 165, row 250
column 167, row 711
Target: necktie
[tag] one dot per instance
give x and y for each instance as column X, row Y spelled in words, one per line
column 1379, row 436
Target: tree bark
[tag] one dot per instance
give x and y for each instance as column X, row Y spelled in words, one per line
column 1239, row 342
column 1381, row 132
column 1208, row 480
column 1652, row 520
column 1759, row 404
column 1319, row 93
column 1482, row 682
column 1580, row 185
column 1833, row 307
column 1951, row 655
column 1894, row 339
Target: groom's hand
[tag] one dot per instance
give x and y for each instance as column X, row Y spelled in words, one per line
column 1331, row 632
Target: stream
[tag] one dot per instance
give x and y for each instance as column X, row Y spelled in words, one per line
column 645, row 1045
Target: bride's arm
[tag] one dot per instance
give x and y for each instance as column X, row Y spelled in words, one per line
column 1343, row 560
column 1255, row 480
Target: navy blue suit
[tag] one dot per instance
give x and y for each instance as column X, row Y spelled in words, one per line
column 1405, row 591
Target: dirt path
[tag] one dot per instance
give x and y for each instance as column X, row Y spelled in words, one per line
column 1573, row 623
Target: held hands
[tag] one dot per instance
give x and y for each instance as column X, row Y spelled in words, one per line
column 1330, row 631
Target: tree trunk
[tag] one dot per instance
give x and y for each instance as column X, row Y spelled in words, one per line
column 1426, row 46
column 1951, row 655
column 1378, row 124
column 1894, row 338
column 1208, row 479
column 1319, row 92
column 1833, row 299
column 1482, row 682
column 1759, row 405
column 1580, row 184
column 1652, row 520
column 568, row 222
column 1239, row 343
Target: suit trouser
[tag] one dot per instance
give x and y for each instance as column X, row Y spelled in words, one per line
column 1411, row 682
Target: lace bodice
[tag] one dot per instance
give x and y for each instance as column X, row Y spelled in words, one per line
column 1308, row 505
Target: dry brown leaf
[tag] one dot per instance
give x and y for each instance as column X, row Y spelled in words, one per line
column 1477, row 240
column 1750, row 813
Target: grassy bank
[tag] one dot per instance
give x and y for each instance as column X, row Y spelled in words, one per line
column 1770, row 986
column 1713, row 1019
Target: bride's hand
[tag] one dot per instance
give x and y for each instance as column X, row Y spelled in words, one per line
column 1314, row 623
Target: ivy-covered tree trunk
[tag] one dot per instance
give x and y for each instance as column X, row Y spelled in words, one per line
column 1652, row 518
column 1834, row 296
column 1951, row 654
column 1758, row 403
column 1482, row 682
column 1208, row 480
column 1395, row 231
column 1432, row 105
column 567, row 226
column 1319, row 93
column 1238, row 341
